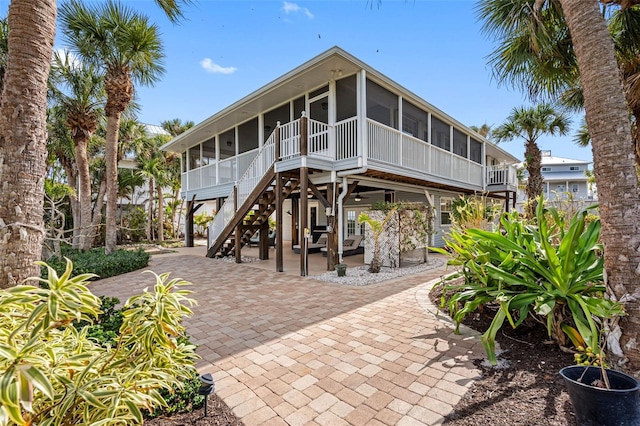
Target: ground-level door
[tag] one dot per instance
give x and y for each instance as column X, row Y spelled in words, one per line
column 351, row 225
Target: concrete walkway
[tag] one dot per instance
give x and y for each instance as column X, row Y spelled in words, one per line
column 290, row 350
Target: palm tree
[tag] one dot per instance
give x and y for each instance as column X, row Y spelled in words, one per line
column 536, row 53
column 529, row 124
column 23, row 141
column 615, row 170
column 610, row 128
column 79, row 92
column 23, row 129
column 129, row 51
column 484, row 130
column 175, row 126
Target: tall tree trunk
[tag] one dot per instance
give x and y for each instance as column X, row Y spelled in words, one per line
column 97, row 207
column 614, row 167
column 111, row 159
column 150, row 212
column 84, row 191
column 75, row 206
column 160, row 213
column 23, row 137
column 533, row 157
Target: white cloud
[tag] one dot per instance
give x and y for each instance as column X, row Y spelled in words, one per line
column 289, row 7
column 209, row 66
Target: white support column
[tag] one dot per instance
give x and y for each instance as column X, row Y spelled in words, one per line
column 332, row 119
column 217, row 159
column 400, row 162
column 362, row 116
column 483, row 157
column 261, row 134
column 236, row 145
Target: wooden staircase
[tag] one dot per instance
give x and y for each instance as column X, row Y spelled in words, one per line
column 253, row 214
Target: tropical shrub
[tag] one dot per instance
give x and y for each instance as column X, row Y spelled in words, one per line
column 99, row 264
column 201, row 221
column 544, row 268
column 53, row 374
column 105, row 330
column 474, row 212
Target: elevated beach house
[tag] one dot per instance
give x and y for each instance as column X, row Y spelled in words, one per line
column 322, row 143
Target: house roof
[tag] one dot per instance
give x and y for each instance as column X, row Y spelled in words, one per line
column 312, row 74
column 564, row 176
column 550, row 160
column 153, row 130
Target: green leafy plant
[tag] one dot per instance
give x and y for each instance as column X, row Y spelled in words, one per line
column 201, row 221
column 540, row 268
column 52, row 373
column 474, row 212
column 96, row 262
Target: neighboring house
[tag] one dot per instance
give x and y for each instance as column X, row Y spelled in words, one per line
column 564, row 179
column 337, row 136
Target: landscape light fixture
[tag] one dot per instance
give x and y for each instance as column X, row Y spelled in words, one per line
column 206, row 388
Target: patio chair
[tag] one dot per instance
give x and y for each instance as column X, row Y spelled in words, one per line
column 314, row 247
column 350, row 246
column 255, row 240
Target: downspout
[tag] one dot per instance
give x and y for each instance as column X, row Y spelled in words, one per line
column 345, row 188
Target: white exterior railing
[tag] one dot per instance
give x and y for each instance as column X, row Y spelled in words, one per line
column 319, row 141
column 262, row 161
column 502, row 175
column 346, row 134
column 290, row 140
column 341, row 141
column 384, row 145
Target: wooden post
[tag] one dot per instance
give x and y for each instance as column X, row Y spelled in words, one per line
column 279, row 201
column 507, row 194
column 332, row 241
column 295, row 220
column 238, row 230
column 263, row 242
column 189, row 224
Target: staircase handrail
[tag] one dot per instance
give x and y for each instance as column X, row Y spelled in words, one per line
column 258, row 167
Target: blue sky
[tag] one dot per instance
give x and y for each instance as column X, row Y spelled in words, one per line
column 227, row 49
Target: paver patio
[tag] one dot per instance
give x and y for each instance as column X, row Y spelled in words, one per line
column 285, row 349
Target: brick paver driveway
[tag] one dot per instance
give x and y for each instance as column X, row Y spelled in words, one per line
column 292, row 350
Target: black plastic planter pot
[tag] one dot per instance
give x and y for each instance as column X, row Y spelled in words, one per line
column 342, row 269
column 594, row 406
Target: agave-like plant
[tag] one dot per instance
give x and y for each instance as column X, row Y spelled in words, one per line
column 540, row 268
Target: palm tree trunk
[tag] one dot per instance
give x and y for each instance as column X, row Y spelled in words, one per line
column 160, row 213
column 111, row 158
column 75, row 205
column 533, row 157
column 614, row 166
column 150, row 211
column 84, row 191
column 23, row 136
column 97, row 208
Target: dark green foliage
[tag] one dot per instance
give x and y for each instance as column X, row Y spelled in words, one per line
column 106, row 328
column 180, row 400
column 542, row 268
column 95, row 261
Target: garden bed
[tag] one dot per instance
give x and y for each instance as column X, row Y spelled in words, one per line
column 525, row 388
